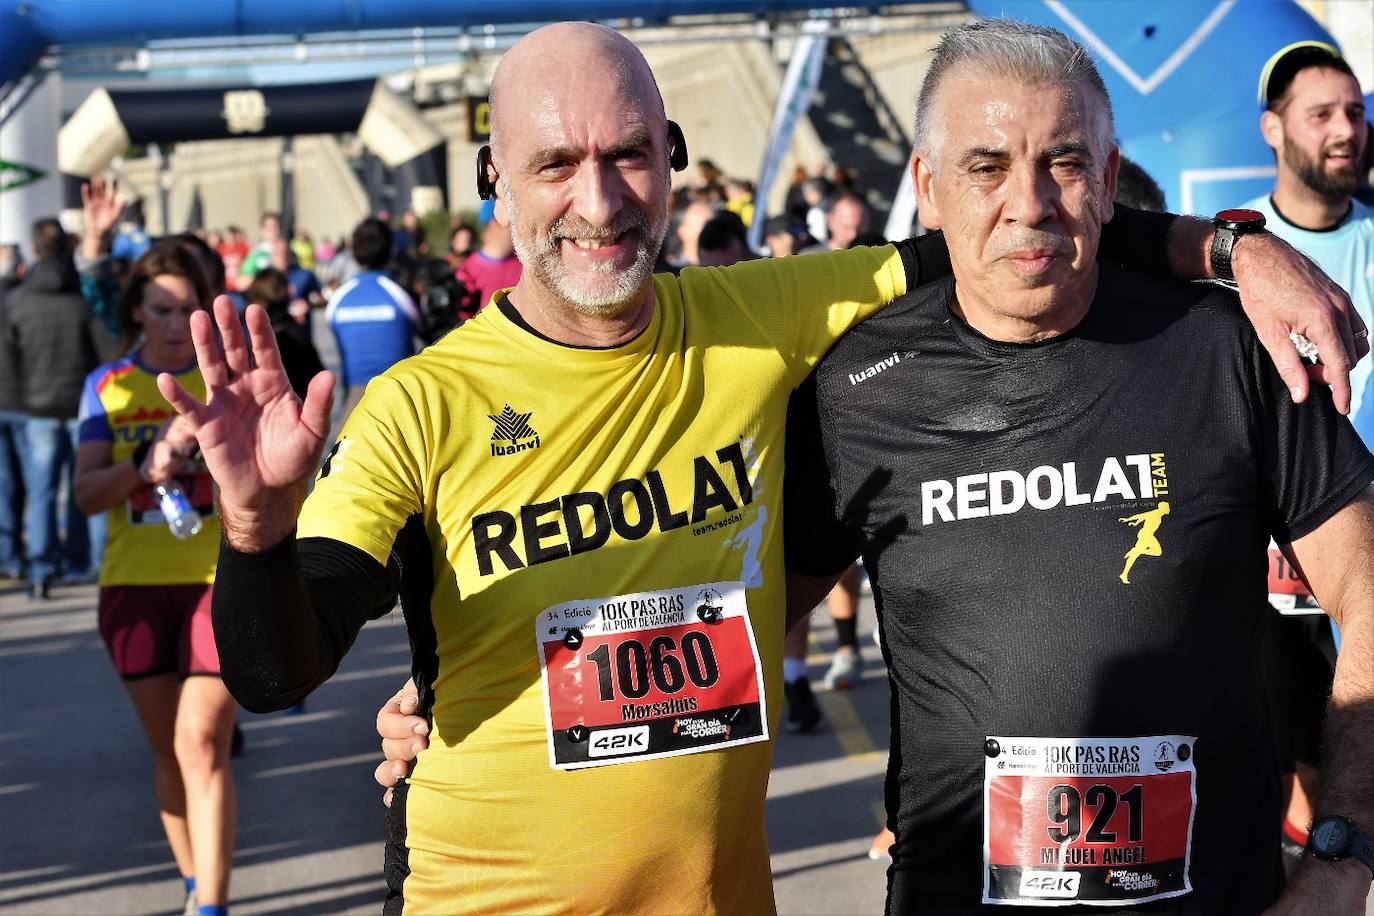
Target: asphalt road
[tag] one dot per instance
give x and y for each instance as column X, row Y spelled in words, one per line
column 82, row 834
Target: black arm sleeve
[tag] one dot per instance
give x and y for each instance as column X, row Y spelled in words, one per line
column 1136, row 238
column 815, row 541
column 285, row 617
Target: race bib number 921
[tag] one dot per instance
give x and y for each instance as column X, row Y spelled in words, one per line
column 1099, row 821
column 652, row 674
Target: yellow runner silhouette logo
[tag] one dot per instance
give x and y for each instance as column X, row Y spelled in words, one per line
column 1146, row 544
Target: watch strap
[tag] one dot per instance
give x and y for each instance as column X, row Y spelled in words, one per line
column 1362, row 848
column 1223, row 241
column 140, row 456
column 1228, row 225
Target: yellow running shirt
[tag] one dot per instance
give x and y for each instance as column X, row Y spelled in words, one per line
column 120, row 404
column 608, row 607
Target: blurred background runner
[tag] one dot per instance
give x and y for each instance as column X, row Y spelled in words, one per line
column 140, row 464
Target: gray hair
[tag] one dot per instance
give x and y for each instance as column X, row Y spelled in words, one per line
column 1008, row 49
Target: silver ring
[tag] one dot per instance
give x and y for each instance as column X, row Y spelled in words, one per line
column 1361, row 335
column 1306, row 348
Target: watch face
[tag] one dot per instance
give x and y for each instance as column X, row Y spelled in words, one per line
column 1239, row 217
column 1330, row 836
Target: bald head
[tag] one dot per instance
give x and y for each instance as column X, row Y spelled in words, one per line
column 527, row 80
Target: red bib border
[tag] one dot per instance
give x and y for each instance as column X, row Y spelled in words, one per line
column 649, row 675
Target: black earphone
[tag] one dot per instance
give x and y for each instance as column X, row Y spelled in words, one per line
column 678, row 157
column 486, row 190
column 677, row 160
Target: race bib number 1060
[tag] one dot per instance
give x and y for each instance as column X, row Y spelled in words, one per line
column 1102, row 821
column 653, row 674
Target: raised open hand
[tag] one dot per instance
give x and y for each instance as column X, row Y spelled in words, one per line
column 100, row 210
column 259, row 441
column 100, row 206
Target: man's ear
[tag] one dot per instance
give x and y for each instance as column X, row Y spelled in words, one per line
column 500, row 212
column 1271, row 128
column 1113, row 168
column 922, row 176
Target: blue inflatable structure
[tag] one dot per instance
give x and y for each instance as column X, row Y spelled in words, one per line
column 1184, row 81
column 1182, row 75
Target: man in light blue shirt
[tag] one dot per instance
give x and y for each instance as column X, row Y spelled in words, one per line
column 1315, row 120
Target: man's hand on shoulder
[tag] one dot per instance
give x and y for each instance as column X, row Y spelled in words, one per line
column 1329, row 888
column 1283, row 293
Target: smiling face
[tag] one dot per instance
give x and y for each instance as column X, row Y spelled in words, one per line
column 1320, row 132
column 583, row 167
column 1021, row 179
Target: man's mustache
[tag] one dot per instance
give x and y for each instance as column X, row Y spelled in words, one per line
column 1342, row 149
column 1034, row 238
column 573, row 227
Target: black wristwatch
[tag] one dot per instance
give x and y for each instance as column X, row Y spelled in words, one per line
column 1334, row 838
column 1230, row 224
column 140, row 455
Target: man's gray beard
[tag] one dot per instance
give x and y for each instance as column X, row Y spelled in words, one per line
column 1310, row 171
column 541, row 257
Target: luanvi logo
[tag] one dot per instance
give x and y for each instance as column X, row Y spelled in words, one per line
column 879, row 366
column 514, row 428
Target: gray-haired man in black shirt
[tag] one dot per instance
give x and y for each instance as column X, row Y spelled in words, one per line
column 1062, row 476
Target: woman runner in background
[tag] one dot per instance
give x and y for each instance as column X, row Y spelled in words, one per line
column 155, row 588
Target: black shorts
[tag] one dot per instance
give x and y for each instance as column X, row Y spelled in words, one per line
column 1299, row 664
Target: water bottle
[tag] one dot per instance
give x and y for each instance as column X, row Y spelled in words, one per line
column 182, row 518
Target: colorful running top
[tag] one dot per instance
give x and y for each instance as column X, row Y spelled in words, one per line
column 375, row 323
column 605, row 628
column 121, row 405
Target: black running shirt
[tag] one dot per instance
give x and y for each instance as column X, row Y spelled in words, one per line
column 999, row 494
